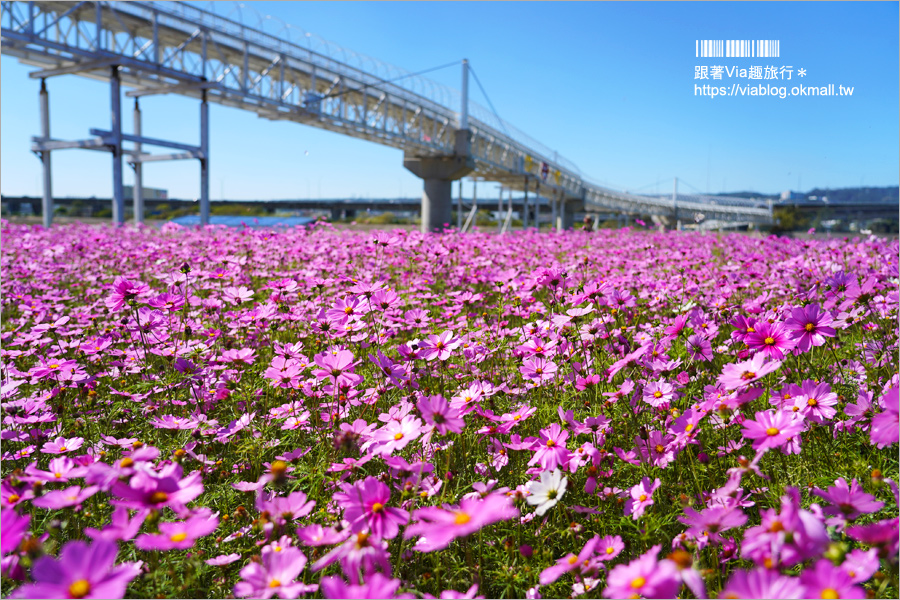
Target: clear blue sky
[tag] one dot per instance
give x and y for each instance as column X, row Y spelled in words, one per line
column 608, row 85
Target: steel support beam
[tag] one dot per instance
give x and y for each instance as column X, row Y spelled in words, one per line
column 204, row 160
column 138, row 169
column 118, row 195
column 47, row 200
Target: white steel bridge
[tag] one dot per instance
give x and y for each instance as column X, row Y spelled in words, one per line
column 178, row 48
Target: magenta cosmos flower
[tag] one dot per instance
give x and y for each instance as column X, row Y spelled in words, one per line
column 82, row 571
column 337, row 368
column 850, row 501
column 274, row 575
column 438, row 527
column 179, row 535
column 740, row 375
column 124, row 291
column 712, row 521
column 436, row 411
column 645, row 576
column 886, row 424
column 809, row 326
column 550, row 449
column 147, row 489
column 439, row 346
column 12, row 530
column 772, row 429
column 641, row 497
column 365, row 508
column 376, row 586
column 770, row 339
column 824, row 580
column 762, row 583
column 62, row 445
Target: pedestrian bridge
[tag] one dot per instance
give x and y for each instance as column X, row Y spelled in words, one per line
column 284, row 73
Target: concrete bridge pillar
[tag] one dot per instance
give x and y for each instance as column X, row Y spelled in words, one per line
column 439, row 172
column 565, row 217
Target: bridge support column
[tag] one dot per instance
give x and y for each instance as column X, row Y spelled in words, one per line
column 47, row 202
column 565, row 219
column 138, row 166
column 204, row 160
column 439, row 172
column 118, row 195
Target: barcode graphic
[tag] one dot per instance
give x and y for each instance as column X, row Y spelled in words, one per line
column 738, row 48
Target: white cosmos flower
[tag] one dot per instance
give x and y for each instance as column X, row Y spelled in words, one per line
column 546, row 492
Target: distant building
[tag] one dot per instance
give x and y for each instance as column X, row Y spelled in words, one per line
column 789, row 195
column 149, row 193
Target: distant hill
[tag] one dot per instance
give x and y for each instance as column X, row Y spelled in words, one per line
column 862, row 195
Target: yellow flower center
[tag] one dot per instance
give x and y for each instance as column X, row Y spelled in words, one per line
column 748, row 375
column 638, row 582
column 610, row 550
column 689, row 427
column 126, row 462
column 657, row 394
column 772, row 431
column 812, row 402
column 462, row 518
column 659, row 448
column 769, row 341
column 80, row 589
column 377, row 507
column 274, row 583
column 643, row 497
column 829, row 593
column 13, row 498
column 809, row 327
column 551, row 443
column 179, row 537
column 63, row 449
column 398, row 436
column 573, row 559
column 58, row 475
column 158, row 497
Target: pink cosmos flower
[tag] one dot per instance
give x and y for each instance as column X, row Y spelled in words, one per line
column 436, row 411
column 659, row 393
column 886, row 425
column 699, row 348
column 645, row 576
column 641, row 497
column 124, row 291
column 12, row 530
column 82, row 571
column 712, row 521
column 763, row 583
column 121, row 526
column 439, row 347
column 376, row 586
column 848, row 501
column 438, row 527
column 787, row 536
column 395, row 435
column 222, row 560
column 179, row 535
column 365, row 508
column 360, row 555
column 609, row 547
column 824, row 580
column 809, row 326
column 274, row 575
column 538, row 369
column 148, row 489
column 337, row 368
column 816, row 402
column 550, row 450
column 72, row 496
column 62, row 445
column 571, row 562
column 772, row 429
column 737, row 376
column 770, row 339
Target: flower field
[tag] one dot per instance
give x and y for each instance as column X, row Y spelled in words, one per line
column 312, row 413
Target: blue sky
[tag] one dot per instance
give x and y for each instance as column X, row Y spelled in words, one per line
column 609, row 85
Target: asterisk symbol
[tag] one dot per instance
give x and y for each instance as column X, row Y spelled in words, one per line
column 801, row 72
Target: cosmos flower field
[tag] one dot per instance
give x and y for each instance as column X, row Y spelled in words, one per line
column 317, row 413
